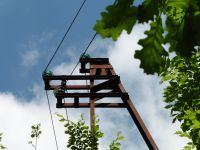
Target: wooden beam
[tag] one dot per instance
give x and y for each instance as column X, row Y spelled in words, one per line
column 100, row 69
column 91, row 95
column 137, row 119
column 76, row 102
column 46, row 85
column 97, row 105
column 73, row 87
column 70, row 87
column 94, row 60
column 83, row 70
column 109, row 84
column 101, row 66
column 92, row 102
column 79, row 77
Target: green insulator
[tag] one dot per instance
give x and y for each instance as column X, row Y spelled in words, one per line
column 47, row 73
column 85, row 56
column 59, row 90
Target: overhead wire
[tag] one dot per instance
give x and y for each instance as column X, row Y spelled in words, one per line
column 90, row 43
column 84, row 52
column 88, row 46
column 76, row 65
column 52, row 122
column 54, row 54
column 66, row 33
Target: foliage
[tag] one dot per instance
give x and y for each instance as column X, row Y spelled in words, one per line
column 114, row 21
column 172, row 22
column 35, row 134
column 115, row 145
column 180, row 28
column 189, row 145
column 151, row 47
column 81, row 137
column 1, row 145
column 182, row 95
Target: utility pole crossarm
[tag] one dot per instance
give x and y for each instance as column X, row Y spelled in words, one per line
column 103, row 83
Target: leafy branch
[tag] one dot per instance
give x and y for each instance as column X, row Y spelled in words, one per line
column 181, row 28
column 183, row 95
column 81, row 137
column 1, row 145
column 190, row 145
column 152, row 46
column 35, row 134
column 114, row 21
column 115, row 145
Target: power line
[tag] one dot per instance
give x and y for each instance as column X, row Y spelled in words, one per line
column 68, row 29
column 84, row 52
column 66, row 112
column 55, row 52
column 52, row 120
column 78, row 64
column 90, row 43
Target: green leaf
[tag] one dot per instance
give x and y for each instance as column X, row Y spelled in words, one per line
column 120, row 138
column 118, row 17
column 59, row 115
column 147, row 10
column 32, row 135
column 177, row 10
column 117, row 144
column 62, row 120
column 183, row 26
column 183, row 95
column 152, row 54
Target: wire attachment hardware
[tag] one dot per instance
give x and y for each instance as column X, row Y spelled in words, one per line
column 103, row 83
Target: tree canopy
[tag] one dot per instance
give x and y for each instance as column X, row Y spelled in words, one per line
column 174, row 22
column 182, row 95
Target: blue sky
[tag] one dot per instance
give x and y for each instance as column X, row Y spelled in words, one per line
column 29, row 33
column 23, row 23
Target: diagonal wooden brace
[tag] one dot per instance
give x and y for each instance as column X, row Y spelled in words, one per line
column 109, row 84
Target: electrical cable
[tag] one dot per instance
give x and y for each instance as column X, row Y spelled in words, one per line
column 90, row 43
column 86, row 49
column 84, row 52
column 55, row 52
column 52, row 119
column 76, row 67
column 68, row 29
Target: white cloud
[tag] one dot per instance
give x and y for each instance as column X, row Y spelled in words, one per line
column 36, row 47
column 16, row 118
column 45, row 37
column 30, row 58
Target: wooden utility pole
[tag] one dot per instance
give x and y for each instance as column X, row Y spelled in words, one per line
column 102, row 71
